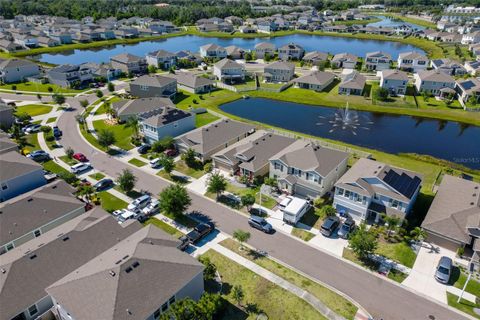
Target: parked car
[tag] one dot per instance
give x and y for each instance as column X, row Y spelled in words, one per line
column 32, row 128
column 170, row 152
column 199, row 232
column 260, row 224
column 118, row 212
column 347, row 227
column 259, row 212
column 49, row 176
column 39, row 156
column 80, row 157
column 444, row 270
column 103, row 184
column 57, row 133
column 152, row 208
column 80, row 167
column 329, row 226
column 155, row 163
column 144, row 148
column 126, row 215
column 140, row 203
column 142, row 217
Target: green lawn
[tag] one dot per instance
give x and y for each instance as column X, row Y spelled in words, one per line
column 97, row 176
column 335, row 302
column 399, row 252
column 464, row 305
column 302, row 234
column 350, row 255
column 34, row 109
column 473, row 286
column 182, row 167
column 397, row 275
column 249, row 83
column 204, row 119
column 32, row 142
column 137, row 162
column 111, row 203
column 260, row 293
column 68, row 161
column 103, row 108
column 164, row 226
column 52, row 166
column 38, row 87
column 267, row 201
column 50, row 120
column 314, row 217
column 122, row 133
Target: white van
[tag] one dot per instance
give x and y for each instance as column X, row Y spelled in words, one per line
column 126, row 215
column 155, row 163
column 294, row 210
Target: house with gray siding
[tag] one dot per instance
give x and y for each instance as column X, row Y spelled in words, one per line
column 31, row 214
column 192, row 83
column 316, row 80
column 263, row 48
column 353, row 83
column 17, row 70
column 344, row 60
column 165, row 122
column 291, row 51
column 315, row 57
column 279, row 71
column 307, row 170
column 212, row 50
column 162, row 59
column 370, row 189
column 125, row 109
column 395, row 81
column 145, row 264
column 412, row 61
column 148, row 86
column 434, row 82
column 227, row 70
column 19, row 175
column 6, row 116
column 467, row 88
column 377, row 61
column 68, row 75
column 449, row 66
column 129, row 63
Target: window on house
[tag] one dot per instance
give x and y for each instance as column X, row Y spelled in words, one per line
column 347, row 194
column 37, row 233
column 9, row 246
column 4, row 186
column 156, row 314
column 32, row 310
column 394, row 203
column 171, row 300
column 340, row 191
column 164, row 307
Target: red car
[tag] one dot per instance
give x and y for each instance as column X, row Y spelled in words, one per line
column 170, row 152
column 80, row 157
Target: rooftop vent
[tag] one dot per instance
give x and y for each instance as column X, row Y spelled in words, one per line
column 125, row 257
column 112, row 273
column 66, row 238
column 128, row 270
column 135, row 264
column 471, row 203
column 3, row 270
column 33, row 256
column 118, row 262
column 30, row 200
column 54, row 187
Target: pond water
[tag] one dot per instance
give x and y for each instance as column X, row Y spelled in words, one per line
column 193, row 43
column 456, row 142
column 388, row 22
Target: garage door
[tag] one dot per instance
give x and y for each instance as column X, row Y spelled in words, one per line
column 357, row 216
column 222, row 165
column 442, row 242
column 305, row 192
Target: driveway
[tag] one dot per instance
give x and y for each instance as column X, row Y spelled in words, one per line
column 333, row 244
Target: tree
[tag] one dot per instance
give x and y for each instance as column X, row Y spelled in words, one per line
column 106, row 138
column 84, row 103
column 69, row 152
column 210, row 271
column 111, row 87
column 248, row 200
column 99, row 93
column 190, row 158
column 206, row 308
column 58, row 98
column 69, row 177
column 23, row 117
column 241, row 236
column 267, row 57
column 134, row 124
column 418, row 234
column 184, row 309
column 216, row 183
column 151, row 69
column 126, row 180
column 167, row 163
column 363, row 242
column 328, row 211
column 238, row 294
column 391, row 223
column 174, row 199
column 86, row 191
column 381, row 94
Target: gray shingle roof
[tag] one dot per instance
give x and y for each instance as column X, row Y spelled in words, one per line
column 265, row 45
column 227, row 63
column 435, row 75
column 280, row 65
column 164, row 116
column 316, row 78
column 126, row 58
column 190, row 80
column 15, row 63
column 412, row 55
column 153, row 81
column 394, row 75
column 353, row 80
column 14, row 165
column 136, row 107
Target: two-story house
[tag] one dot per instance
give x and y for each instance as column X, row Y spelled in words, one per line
column 306, row 169
column 165, row 122
column 148, row 86
column 68, row 75
column 434, row 82
column 129, row 63
column 16, row 70
column 315, row 57
column 279, row 71
column 449, row 66
column 162, row 59
column 377, row 61
column 227, row 70
column 344, row 60
column 291, row 51
column 412, row 61
column 370, row 189
column 264, row 48
column 395, row 81
column 212, row 50
column 468, row 88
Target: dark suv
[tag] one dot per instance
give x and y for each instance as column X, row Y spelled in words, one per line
column 329, row 226
column 346, row 229
column 260, row 224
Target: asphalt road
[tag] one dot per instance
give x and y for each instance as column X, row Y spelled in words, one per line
column 381, row 298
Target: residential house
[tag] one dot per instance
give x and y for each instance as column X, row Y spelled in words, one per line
column 279, row 71
column 125, row 32
column 315, row 57
column 25, row 40
column 10, row 46
column 449, row 66
column 467, row 88
column 247, row 29
column 48, row 42
column 412, row 61
column 162, row 59
column 129, row 63
column 433, row 82
column 210, row 139
column 31, row 214
column 395, row 81
column 6, row 116
column 148, row 86
column 212, row 50
column 469, row 38
column 267, row 26
column 307, row 170
column 291, row 51
column 473, row 67
column 145, row 264
column 234, row 52
column 192, row 83
column 344, row 60
column 61, row 36
column 250, row 156
column 316, row 80
column 263, row 48
column 165, row 122
column 184, row 55
column 227, row 70
column 68, row 75
column 103, row 70
column 352, row 83
column 6, row 144
column 16, row 70
column 370, row 189
column 19, row 175
column 377, row 61
column 452, row 219
column 48, row 258
column 126, row 109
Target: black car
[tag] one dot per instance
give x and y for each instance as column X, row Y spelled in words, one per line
column 144, row 148
column 39, row 156
column 57, row 133
column 329, row 226
column 346, row 229
column 260, row 224
column 103, row 184
column 199, row 232
column 142, row 217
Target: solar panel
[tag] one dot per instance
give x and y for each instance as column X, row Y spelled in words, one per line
column 402, row 183
column 467, row 85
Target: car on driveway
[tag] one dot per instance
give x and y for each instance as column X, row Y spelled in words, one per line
column 170, row 152
column 49, row 176
column 80, row 167
column 444, row 270
column 152, row 208
column 126, row 215
column 39, row 156
column 346, row 229
column 155, row 163
column 57, row 133
column 329, row 226
column 80, row 157
column 144, row 148
column 198, row 233
column 32, row 128
column 103, row 184
column 140, row 203
column 260, row 224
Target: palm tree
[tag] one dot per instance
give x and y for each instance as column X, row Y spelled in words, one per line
column 87, row 192
column 418, row 234
column 134, row 124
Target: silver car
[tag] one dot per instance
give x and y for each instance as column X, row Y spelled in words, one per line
column 444, row 270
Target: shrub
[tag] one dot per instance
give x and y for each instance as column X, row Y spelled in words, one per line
column 69, row 152
column 208, row 167
column 49, row 138
column 46, row 129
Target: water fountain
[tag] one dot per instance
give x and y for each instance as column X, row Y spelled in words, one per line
column 346, row 119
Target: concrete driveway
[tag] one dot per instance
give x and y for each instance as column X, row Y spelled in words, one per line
column 421, row 277
column 333, row 244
